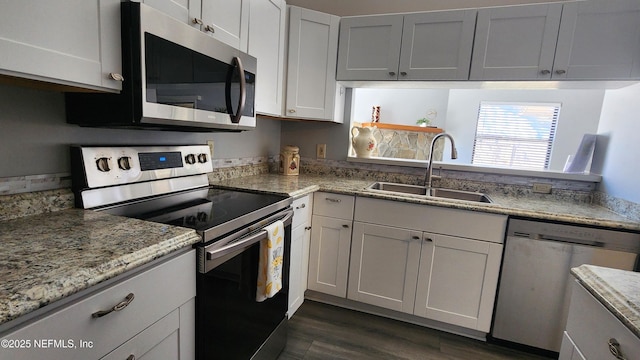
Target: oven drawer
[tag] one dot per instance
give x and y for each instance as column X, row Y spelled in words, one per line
column 157, row 292
column 333, row 205
column 301, row 211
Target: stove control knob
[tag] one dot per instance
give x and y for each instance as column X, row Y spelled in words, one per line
column 190, row 220
column 124, row 163
column 202, row 216
column 202, row 158
column 103, row 164
column 190, row 159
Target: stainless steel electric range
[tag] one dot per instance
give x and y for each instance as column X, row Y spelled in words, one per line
column 169, row 184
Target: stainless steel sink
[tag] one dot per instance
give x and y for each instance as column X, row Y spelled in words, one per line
column 386, row 187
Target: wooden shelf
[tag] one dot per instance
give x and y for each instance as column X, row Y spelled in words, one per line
column 434, row 130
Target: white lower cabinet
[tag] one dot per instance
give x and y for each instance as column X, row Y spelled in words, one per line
column 384, row 266
column 299, row 267
column 330, row 243
column 592, row 330
column 457, row 280
column 157, row 323
column 419, row 260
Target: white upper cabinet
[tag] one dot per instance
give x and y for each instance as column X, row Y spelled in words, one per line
column 437, row 45
column 421, row 46
column 74, row 43
column 267, row 29
column 187, row 11
column 599, row 40
column 369, row 47
column 227, row 21
column 515, row 42
column 312, row 91
column 584, row 40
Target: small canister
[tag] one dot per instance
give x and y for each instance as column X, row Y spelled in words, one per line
column 290, row 160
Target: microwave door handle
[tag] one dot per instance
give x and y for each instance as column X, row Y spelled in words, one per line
column 243, row 90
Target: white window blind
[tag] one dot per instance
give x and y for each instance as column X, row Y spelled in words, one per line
column 515, row 135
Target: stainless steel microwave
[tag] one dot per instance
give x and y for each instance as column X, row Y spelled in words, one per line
column 175, row 77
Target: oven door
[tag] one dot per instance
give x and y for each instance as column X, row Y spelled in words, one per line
column 230, row 323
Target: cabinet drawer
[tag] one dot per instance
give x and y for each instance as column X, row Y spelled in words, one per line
column 301, row 211
column 157, row 292
column 591, row 325
column 333, row 205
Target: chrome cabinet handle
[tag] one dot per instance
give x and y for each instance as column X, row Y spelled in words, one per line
column 131, row 357
column 614, row 347
column 560, row 72
column 116, row 76
column 333, row 200
column 345, row 226
column 307, row 227
column 119, row 306
column 545, row 72
column 403, row 73
column 428, row 239
column 392, row 73
column 415, row 237
column 210, row 29
column 301, row 206
column 291, row 111
column 197, row 21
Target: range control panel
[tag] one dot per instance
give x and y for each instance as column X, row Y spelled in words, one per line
column 107, row 166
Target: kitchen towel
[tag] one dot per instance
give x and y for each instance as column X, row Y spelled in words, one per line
column 271, row 262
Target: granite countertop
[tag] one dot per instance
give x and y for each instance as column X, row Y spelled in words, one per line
column 617, row 290
column 542, row 209
column 49, row 256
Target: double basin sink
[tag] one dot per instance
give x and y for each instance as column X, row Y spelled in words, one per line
column 395, row 188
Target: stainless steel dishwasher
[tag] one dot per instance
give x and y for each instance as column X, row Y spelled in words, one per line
column 533, row 294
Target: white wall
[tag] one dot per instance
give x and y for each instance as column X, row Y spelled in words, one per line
column 366, row 7
column 618, row 154
column 579, row 114
column 400, row 106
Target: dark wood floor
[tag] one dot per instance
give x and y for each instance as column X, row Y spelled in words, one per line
column 320, row 331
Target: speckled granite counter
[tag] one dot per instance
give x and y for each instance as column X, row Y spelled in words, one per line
column 46, row 257
column 617, row 290
column 553, row 210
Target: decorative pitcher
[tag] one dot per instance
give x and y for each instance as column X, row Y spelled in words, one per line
column 363, row 141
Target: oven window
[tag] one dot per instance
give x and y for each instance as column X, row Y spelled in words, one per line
column 179, row 76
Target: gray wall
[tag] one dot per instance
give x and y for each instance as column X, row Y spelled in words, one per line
column 35, row 138
column 367, row 7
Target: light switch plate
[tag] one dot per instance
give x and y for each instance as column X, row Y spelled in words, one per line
column 321, row 151
column 210, row 143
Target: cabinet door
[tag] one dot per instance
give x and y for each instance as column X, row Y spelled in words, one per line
column 267, row 28
column 329, row 255
column 75, row 42
column 437, row 45
column 369, row 47
column 599, row 40
column 457, row 280
column 515, row 42
column 311, row 67
column 384, row 266
column 187, row 11
column 227, row 21
column 298, row 272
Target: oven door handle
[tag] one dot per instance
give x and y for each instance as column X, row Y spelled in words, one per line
column 244, row 243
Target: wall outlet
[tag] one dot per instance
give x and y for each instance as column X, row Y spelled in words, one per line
column 210, row 143
column 542, row 188
column 321, row 151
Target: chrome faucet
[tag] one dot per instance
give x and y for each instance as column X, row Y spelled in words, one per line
column 454, row 155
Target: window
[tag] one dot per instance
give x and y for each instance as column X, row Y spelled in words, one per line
column 515, row 135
